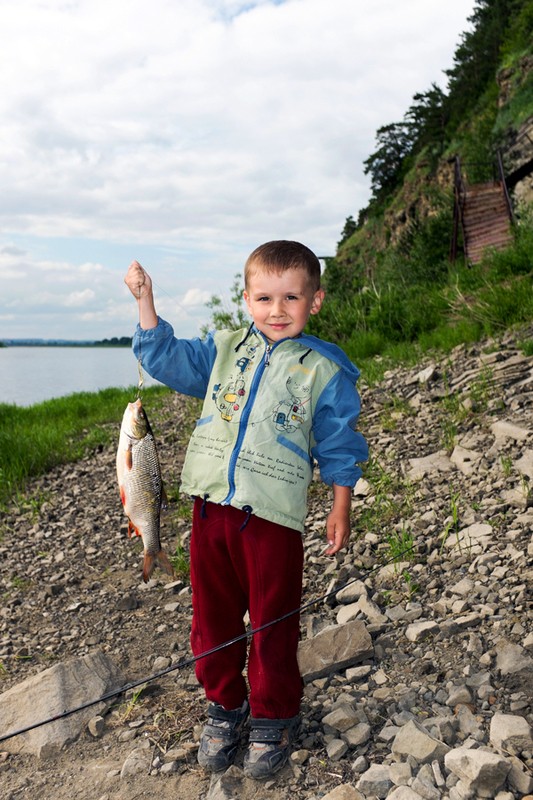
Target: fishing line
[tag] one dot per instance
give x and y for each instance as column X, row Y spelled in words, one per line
column 193, row 659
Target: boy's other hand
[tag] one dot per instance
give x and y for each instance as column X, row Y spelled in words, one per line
column 338, row 521
column 337, row 531
column 138, row 281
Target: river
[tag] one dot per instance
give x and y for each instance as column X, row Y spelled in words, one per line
column 30, row 375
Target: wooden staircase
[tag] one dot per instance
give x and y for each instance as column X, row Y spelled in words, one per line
column 486, row 220
column 483, row 213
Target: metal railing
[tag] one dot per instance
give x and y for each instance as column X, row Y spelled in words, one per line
column 459, row 193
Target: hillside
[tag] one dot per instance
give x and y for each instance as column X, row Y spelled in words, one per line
column 418, row 261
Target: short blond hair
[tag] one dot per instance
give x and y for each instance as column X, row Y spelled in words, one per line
column 281, row 255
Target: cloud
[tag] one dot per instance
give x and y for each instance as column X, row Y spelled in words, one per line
column 196, row 297
column 77, row 299
column 189, row 132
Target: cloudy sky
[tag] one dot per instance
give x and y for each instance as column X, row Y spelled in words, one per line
column 184, row 133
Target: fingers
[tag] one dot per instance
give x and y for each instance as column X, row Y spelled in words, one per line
column 137, row 280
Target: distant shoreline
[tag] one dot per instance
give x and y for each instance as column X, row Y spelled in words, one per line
column 124, row 341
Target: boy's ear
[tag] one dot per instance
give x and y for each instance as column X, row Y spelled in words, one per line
column 318, row 299
column 246, row 297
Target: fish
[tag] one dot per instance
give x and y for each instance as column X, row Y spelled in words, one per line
column 141, row 486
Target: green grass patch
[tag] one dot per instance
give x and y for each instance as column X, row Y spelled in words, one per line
column 34, row 440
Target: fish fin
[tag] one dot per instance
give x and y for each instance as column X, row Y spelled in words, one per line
column 148, row 566
column 160, row 560
column 164, row 563
column 164, row 497
column 122, row 495
column 132, row 530
column 128, row 458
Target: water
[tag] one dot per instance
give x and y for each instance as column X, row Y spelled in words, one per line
column 30, row 375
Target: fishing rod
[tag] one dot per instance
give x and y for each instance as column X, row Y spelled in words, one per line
column 193, row 659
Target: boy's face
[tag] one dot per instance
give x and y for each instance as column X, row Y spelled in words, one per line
column 280, row 303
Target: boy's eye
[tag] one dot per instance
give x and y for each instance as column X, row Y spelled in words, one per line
column 262, row 299
column 291, row 297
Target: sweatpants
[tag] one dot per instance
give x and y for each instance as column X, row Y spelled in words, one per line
column 239, row 563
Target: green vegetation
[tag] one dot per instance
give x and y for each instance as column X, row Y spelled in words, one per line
column 392, row 290
column 34, row 440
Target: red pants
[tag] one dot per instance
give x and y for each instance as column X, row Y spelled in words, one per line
column 257, row 569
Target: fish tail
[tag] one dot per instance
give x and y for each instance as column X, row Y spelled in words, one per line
column 160, row 560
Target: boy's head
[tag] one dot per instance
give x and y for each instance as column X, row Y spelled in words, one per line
column 282, row 281
column 278, row 256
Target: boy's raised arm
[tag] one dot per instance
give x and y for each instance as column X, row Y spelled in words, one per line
column 140, row 285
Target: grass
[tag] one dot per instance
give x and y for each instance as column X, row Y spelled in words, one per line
column 36, row 439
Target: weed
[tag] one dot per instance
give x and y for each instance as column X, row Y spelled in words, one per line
column 507, row 465
column 412, row 586
column 452, row 524
column 132, row 704
column 400, row 546
column 22, row 584
column 482, row 390
column 180, row 562
column 391, row 498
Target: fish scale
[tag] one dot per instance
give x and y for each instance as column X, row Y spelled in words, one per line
column 141, row 486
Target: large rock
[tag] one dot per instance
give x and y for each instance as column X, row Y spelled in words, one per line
column 414, row 740
column 334, row 649
column 481, row 771
column 44, row 696
column 510, row 733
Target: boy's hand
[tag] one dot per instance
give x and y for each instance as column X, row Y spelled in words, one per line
column 338, row 521
column 138, row 281
column 337, row 531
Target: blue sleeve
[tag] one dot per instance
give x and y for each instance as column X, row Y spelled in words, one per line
column 339, row 447
column 183, row 364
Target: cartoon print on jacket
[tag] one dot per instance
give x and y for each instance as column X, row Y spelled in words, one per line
column 290, row 412
column 228, row 396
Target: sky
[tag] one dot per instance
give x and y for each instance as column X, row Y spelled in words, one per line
column 184, row 133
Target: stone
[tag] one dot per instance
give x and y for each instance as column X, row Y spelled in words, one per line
column 336, row 749
column 358, row 735
column 227, row 785
column 414, row 740
column 510, row 733
column 473, row 538
column 519, row 777
column 60, row 688
column 341, row 718
column 511, row 658
column 482, row 771
column 465, row 460
column 375, row 781
column 508, row 430
column 434, row 463
column 404, row 793
column 418, row 631
column 524, row 465
column 138, row 762
column 343, row 792
column 334, row 649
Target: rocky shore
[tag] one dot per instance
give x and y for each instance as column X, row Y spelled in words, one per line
column 418, row 664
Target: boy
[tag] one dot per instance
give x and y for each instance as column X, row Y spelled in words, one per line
column 275, row 400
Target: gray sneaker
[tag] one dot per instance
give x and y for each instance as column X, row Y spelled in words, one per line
column 270, row 746
column 220, row 737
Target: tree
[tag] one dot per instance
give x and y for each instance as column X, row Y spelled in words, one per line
column 223, row 318
column 385, row 165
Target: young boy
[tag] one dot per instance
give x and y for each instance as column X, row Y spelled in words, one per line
column 275, row 400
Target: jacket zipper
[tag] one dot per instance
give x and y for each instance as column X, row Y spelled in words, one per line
column 244, row 420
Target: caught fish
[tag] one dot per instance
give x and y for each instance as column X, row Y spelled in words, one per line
column 141, row 486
